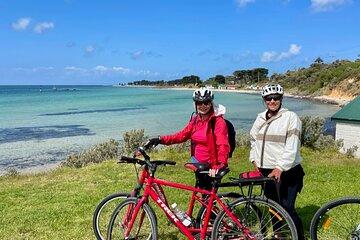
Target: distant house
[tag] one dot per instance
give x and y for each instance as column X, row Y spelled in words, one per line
column 348, row 125
column 231, row 87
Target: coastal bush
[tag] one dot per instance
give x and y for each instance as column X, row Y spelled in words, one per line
column 242, row 139
column 12, row 172
column 350, row 152
column 327, row 142
column 312, row 128
column 131, row 140
column 312, row 135
column 98, row 153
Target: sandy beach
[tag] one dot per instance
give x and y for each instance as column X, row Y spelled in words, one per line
column 324, row 99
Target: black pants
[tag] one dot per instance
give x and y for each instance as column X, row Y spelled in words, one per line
column 285, row 192
column 203, row 180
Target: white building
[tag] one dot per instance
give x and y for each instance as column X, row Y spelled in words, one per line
column 348, row 125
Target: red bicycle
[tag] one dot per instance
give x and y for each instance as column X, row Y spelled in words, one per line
column 248, row 217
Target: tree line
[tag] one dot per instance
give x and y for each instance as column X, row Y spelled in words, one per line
column 239, row 77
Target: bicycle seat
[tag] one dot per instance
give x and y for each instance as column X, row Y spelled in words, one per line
column 197, row 167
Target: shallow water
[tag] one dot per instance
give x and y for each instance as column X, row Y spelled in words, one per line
column 40, row 125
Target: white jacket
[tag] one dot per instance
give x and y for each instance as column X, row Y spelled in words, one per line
column 275, row 143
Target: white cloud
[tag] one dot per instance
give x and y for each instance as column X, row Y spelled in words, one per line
column 326, row 5
column 90, row 49
column 138, row 54
column 100, row 68
column 272, row 56
column 147, row 73
column 268, row 56
column 41, row 27
column 37, row 69
column 74, row 69
column 243, row 3
column 21, row 24
column 112, row 70
column 121, row 69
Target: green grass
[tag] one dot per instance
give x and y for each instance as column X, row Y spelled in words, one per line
column 60, row 204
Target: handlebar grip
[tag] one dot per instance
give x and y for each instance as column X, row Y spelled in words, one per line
column 128, row 159
column 170, row 162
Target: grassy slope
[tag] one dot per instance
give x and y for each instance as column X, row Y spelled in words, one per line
column 323, row 79
column 59, row 205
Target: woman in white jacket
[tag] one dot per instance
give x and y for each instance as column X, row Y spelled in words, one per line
column 275, row 151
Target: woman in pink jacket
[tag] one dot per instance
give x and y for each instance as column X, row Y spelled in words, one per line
column 207, row 131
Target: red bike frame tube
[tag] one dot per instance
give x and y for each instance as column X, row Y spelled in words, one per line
column 135, row 213
column 180, row 186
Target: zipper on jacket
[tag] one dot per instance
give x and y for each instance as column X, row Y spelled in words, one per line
column 263, row 145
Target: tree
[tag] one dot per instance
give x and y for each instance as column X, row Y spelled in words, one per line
column 259, row 74
column 220, row 79
column 319, row 61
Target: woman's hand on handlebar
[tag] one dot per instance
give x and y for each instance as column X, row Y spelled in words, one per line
column 213, row 172
column 152, row 142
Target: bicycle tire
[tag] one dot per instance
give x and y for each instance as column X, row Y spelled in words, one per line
column 140, row 223
column 337, row 219
column 100, row 230
column 275, row 222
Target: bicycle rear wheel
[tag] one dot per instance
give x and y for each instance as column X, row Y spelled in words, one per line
column 103, row 213
column 338, row 219
column 262, row 218
column 144, row 226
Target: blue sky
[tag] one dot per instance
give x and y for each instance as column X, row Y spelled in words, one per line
column 106, row 42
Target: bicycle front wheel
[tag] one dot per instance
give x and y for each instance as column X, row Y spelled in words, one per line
column 144, row 225
column 338, row 219
column 103, row 213
column 260, row 218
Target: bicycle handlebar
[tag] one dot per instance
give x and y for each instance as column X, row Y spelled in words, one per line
column 125, row 159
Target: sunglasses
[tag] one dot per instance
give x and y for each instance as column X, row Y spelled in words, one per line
column 207, row 103
column 273, row 97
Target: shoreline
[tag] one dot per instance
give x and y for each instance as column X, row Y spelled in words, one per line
column 44, row 168
column 323, row 99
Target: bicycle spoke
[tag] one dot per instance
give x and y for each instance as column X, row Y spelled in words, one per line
column 340, row 222
column 259, row 220
column 121, row 222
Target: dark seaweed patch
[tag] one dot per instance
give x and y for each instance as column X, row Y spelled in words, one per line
column 42, row 132
column 93, row 111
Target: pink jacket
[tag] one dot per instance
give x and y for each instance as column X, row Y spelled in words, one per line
column 218, row 143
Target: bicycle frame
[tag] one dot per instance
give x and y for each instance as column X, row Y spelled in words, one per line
column 160, row 201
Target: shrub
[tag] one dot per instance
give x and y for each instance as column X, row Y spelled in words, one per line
column 326, row 142
column 131, row 140
column 12, row 172
column 350, row 152
column 312, row 128
column 96, row 154
column 242, row 139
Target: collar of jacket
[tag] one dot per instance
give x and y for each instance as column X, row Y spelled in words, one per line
column 281, row 111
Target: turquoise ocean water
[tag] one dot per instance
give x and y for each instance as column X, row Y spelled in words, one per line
column 40, row 125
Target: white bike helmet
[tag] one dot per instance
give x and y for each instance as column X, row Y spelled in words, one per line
column 272, row 89
column 203, row 94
